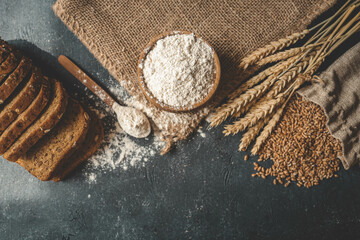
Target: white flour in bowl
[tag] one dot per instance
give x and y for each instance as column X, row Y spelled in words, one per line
column 179, row 70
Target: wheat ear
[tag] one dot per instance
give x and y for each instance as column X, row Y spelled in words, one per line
column 253, row 116
column 253, row 81
column 287, row 78
column 271, row 48
column 238, row 105
column 274, row 70
column 267, row 130
column 277, row 88
column 301, row 79
column 251, row 134
column 283, row 55
column 244, row 109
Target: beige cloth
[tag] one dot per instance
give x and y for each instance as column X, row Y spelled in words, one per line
column 340, row 99
column 116, row 31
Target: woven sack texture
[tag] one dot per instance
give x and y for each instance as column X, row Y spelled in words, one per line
column 116, row 31
column 340, row 99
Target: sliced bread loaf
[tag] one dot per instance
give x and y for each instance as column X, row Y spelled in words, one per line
column 59, row 144
column 93, row 139
column 21, row 100
column 26, row 118
column 48, row 119
column 15, row 78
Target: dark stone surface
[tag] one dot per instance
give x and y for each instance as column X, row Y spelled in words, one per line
column 203, row 190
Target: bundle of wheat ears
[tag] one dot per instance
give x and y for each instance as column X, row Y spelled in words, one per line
column 257, row 104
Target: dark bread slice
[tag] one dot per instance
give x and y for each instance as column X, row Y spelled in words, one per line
column 5, row 50
column 3, row 56
column 9, row 65
column 60, row 143
column 48, row 119
column 15, row 78
column 92, row 142
column 26, row 118
column 3, row 53
column 21, row 100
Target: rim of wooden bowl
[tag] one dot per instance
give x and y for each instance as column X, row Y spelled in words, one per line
column 150, row 97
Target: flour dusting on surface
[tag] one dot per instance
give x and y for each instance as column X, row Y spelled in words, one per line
column 201, row 132
column 119, row 151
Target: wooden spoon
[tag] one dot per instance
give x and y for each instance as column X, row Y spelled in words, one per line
column 152, row 99
column 131, row 120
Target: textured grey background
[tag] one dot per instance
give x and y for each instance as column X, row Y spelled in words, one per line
column 203, row 190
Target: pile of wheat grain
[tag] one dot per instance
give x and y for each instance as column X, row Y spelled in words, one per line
column 301, row 148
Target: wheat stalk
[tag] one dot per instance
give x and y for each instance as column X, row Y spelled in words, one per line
column 251, row 134
column 271, row 48
column 254, row 115
column 283, row 55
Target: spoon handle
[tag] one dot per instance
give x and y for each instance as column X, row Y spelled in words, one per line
column 86, row 80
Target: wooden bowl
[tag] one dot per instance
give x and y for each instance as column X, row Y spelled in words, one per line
column 162, row 105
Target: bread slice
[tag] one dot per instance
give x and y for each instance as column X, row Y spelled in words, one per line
column 9, row 65
column 5, row 50
column 26, row 118
column 61, row 142
column 3, row 56
column 48, row 119
column 15, row 78
column 3, row 53
column 21, row 100
column 92, row 142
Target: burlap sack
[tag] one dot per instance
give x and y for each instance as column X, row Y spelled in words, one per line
column 340, row 99
column 116, row 31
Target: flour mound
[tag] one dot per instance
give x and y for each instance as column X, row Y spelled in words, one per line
column 179, row 70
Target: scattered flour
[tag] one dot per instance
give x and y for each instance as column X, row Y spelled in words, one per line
column 119, row 150
column 91, row 178
column 179, row 70
column 201, row 132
